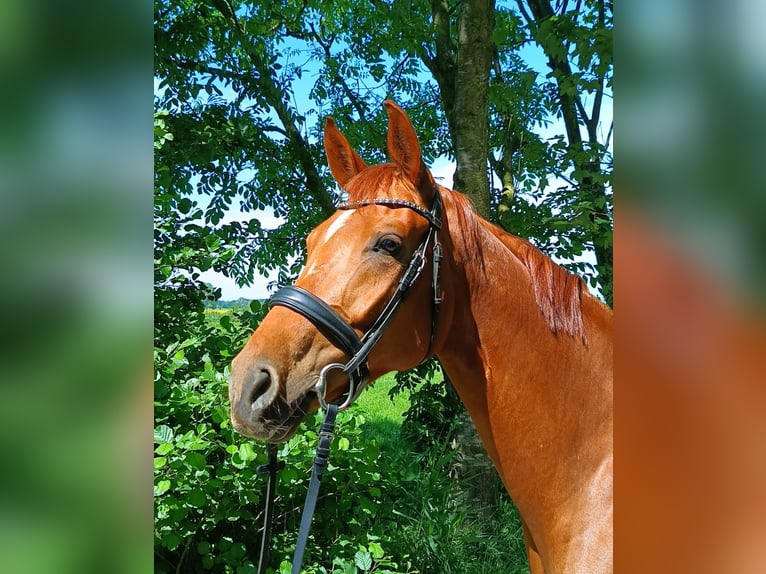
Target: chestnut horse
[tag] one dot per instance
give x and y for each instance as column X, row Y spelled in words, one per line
column 527, row 348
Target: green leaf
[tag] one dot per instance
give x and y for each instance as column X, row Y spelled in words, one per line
column 247, row 452
column 185, row 205
column 220, row 414
column 196, row 498
column 164, row 448
column 162, row 434
column 343, row 443
column 363, row 560
column 376, row 550
column 161, row 487
column 171, row 540
column 196, row 460
column 212, row 242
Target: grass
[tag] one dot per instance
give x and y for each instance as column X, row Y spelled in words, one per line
column 213, row 316
column 442, row 527
column 375, row 400
column 383, row 414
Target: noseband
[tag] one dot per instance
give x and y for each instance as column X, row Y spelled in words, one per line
column 343, row 335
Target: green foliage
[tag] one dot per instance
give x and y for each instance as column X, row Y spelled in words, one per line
column 433, row 417
column 381, row 510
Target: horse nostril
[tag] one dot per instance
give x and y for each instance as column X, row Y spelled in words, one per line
column 260, row 386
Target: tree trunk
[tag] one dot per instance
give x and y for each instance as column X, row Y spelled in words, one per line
column 474, row 58
column 461, row 69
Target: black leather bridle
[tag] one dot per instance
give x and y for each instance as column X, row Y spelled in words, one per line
column 339, row 332
column 343, row 336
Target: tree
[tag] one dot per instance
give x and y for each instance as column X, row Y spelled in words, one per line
column 246, row 85
column 242, row 88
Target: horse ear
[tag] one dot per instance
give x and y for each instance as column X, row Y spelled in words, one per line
column 344, row 162
column 404, row 149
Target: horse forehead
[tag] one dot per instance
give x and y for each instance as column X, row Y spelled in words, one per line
column 337, row 224
column 362, row 221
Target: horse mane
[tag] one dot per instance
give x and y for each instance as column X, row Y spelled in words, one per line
column 369, row 183
column 557, row 291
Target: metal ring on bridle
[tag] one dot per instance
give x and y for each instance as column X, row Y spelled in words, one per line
column 321, row 389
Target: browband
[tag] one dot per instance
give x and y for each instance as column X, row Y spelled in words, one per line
column 433, row 216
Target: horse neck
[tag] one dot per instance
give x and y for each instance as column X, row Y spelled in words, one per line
column 536, row 397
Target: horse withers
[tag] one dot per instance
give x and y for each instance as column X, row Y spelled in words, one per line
column 527, row 348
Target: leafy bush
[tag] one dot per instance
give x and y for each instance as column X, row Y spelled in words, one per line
column 434, row 413
column 208, row 496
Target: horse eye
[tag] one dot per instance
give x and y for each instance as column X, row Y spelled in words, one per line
column 388, row 244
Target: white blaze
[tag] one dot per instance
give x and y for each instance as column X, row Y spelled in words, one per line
column 337, row 224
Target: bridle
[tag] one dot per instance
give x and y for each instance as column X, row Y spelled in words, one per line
column 339, row 332
column 344, row 337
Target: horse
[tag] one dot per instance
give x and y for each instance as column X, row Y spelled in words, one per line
column 526, row 346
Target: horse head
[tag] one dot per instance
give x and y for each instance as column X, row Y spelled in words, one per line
column 357, row 262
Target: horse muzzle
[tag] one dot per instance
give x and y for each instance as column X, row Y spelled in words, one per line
column 258, row 407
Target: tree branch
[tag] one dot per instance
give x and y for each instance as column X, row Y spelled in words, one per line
column 442, row 64
column 581, row 110
column 609, row 134
column 353, row 99
column 273, row 95
column 596, row 111
column 530, row 20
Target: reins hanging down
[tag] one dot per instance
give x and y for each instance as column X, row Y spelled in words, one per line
column 320, row 463
column 271, row 469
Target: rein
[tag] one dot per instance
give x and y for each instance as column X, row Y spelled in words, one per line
column 343, row 336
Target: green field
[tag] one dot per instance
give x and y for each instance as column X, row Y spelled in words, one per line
column 383, row 414
column 213, row 316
